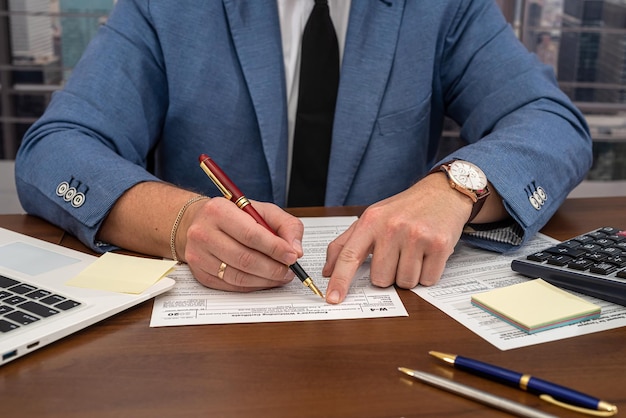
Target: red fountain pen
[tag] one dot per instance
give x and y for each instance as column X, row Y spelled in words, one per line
column 232, row 193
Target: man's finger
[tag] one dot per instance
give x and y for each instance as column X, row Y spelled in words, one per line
column 352, row 255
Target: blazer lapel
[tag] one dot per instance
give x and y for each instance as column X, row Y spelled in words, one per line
column 255, row 32
column 369, row 52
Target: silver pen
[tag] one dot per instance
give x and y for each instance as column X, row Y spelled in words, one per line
column 503, row 404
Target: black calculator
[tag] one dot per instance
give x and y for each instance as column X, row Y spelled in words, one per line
column 593, row 264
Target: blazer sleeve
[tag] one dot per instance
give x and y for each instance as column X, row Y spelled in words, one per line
column 523, row 131
column 75, row 147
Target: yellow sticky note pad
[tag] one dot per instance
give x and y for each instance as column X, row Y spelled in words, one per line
column 122, row 273
column 536, row 305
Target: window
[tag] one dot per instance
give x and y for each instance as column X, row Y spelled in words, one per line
column 40, row 42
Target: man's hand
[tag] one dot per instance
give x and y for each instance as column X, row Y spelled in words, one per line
column 210, row 232
column 217, row 232
column 410, row 236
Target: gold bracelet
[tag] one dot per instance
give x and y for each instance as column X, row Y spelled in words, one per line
column 181, row 212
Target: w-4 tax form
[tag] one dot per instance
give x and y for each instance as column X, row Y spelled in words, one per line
column 190, row 303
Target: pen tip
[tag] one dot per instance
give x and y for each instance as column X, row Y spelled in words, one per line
column 406, row 370
column 309, row 283
column 317, row 291
column 449, row 358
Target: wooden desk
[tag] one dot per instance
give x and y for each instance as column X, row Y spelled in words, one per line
column 121, row 367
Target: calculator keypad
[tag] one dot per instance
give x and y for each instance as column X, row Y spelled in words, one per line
column 593, row 263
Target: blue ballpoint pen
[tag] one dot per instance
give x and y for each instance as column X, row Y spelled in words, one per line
column 549, row 392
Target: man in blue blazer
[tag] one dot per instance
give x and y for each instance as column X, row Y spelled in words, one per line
column 165, row 81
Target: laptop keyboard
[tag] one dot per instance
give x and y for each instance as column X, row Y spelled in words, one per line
column 22, row 304
column 593, row 263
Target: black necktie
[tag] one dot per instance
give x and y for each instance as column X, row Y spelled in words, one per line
column 319, row 80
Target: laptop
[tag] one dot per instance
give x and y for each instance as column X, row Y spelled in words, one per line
column 37, row 308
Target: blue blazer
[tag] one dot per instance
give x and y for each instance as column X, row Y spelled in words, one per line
column 169, row 80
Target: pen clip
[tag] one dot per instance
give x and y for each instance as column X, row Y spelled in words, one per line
column 611, row 409
column 227, row 194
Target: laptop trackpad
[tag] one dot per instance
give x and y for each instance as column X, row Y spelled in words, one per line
column 32, row 260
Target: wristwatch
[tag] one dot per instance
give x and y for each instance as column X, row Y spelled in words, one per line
column 468, row 179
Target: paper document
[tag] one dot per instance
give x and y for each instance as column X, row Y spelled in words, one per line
column 470, row 271
column 190, row 303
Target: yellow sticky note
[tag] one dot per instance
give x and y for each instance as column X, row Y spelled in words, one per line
column 535, row 305
column 122, row 273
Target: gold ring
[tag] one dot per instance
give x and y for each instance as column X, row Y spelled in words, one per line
column 220, row 271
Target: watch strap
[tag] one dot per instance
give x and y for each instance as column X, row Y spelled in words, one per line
column 478, row 205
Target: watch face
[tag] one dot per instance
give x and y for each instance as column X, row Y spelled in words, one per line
column 467, row 175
